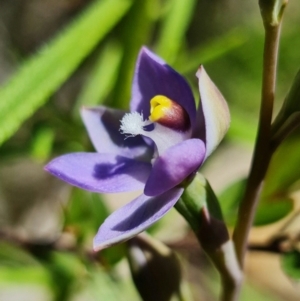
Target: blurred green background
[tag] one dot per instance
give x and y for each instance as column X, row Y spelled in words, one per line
column 56, row 56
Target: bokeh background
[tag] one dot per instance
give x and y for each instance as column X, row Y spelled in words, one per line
column 56, row 56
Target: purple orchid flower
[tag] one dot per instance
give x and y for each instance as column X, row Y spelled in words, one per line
column 157, row 146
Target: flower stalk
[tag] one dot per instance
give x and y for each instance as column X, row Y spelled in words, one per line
column 200, row 208
column 262, row 151
column 219, row 248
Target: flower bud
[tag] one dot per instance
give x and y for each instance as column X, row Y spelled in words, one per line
column 155, row 269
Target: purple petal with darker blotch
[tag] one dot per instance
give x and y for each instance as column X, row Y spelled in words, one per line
column 154, row 77
column 134, row 218
column 102, row 173
column 103, row 126
column 175, row 165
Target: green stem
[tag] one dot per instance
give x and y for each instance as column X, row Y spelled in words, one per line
column 210, row 233
column 231, row 276
column 262, row 152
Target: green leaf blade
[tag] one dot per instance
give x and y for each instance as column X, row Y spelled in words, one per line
column 174, row 28
column 44, row 73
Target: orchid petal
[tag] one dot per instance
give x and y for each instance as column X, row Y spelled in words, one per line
column 134, row 218
column 154, row 77
column 174, row 166
column 103, row 126
column 102, row 173
column 215, row 111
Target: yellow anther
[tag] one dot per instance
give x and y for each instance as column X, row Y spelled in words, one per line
column 159, row 106
column 169, row 113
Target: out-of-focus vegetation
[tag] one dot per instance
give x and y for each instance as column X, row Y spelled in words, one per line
column 56, row 56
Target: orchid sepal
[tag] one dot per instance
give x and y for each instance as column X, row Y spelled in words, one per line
column 215, row 111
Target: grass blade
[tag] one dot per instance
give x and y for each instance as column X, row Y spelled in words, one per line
column 44, row 73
